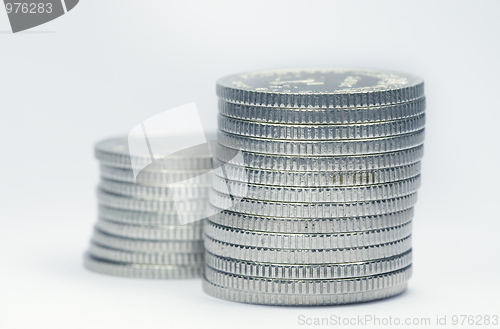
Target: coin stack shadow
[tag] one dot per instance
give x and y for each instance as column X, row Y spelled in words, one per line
column 138, row 233
column 318, row 209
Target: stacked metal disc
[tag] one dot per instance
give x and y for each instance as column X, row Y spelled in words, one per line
column 138, row 233
column 318, row 208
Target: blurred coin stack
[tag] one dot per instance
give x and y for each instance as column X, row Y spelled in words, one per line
column 318, row 208
column 138, row 233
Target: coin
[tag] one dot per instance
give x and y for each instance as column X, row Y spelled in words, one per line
column 316, row 178
column 318, row 163
column 320, row 88
column 147, row 217
column 310, row 286
column 309, row 271
column 311, row 209
column 310, row 225
column 321, row 132
column 253, row 297
column 148, row 258
column 142, row 271
column 305, row 241
column 151, row 232
column 306, row 256
column 323, row 147
column 143, row 245
column 185, row 191
column 115, row 152
column 317, row 194
column 155, row 178
column 128, row 203
column 322, row 115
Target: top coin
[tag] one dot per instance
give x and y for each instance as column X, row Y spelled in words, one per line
column 114, row 152
column 320, row 88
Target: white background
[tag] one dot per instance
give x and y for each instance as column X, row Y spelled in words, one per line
column 108, row 65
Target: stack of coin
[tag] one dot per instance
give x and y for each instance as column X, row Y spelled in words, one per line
column 318, row 208
column 139, row 233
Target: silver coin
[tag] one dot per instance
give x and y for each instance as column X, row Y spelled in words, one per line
column 311, row 210
column 151, row 258
column 305, row 241
column 297, row 299
column 320, row 163
column 323, row 115
column 311, row 271
column 310, row 225
column 147, row 217
column 185, row 191
column 143, row 271
column 320, row 132
column 128, row 203
column 114, row 152
column 155, row 178
column 142, row 245
column 316, row 178
column 320, row 88
column 317, row 194
column 152, row 232
column 307, row 256
column 308, row 287
column 323, row 148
